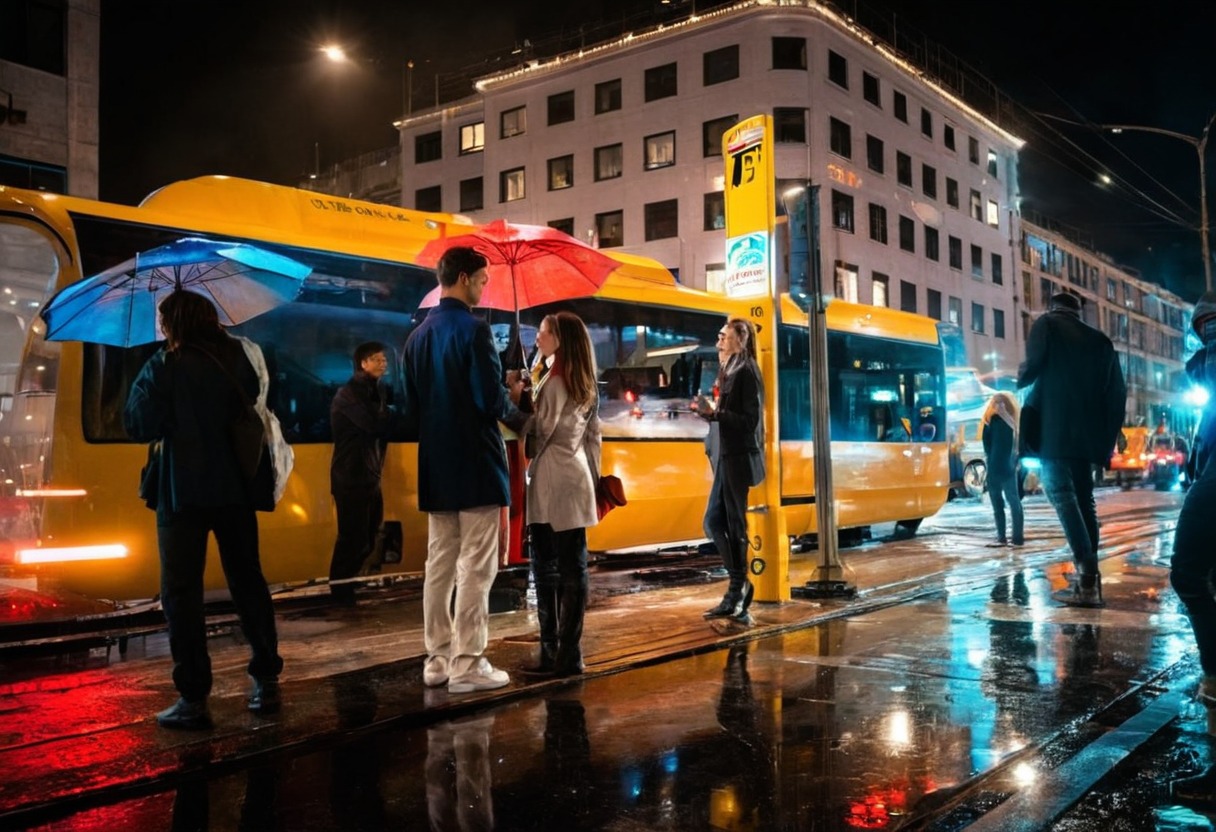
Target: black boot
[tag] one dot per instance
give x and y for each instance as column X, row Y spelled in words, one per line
column 740, row 613
column 546, row 619
column 730, row 601
column 570, row 612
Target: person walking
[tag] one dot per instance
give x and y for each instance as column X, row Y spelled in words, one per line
column 455, row 395
column 1001, row 455
column 359, row 419
column 739, row 463
column 1070, row 421
column 565, row 434
column 185, row 397
column 1193, row 564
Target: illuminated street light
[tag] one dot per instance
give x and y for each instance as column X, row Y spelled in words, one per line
column 1200, row 144
column 334, row 53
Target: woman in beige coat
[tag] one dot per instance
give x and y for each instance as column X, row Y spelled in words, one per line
column 565, row 435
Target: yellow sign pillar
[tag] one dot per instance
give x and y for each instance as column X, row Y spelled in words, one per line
column 747, row 149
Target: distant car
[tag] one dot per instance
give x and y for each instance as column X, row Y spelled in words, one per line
column 1166, row 461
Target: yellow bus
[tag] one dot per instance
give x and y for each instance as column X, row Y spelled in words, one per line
column 70, row 519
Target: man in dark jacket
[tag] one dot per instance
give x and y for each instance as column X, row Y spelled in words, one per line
column 186, row 395
column 1079, row 398
column 360, row 421
column 455, row 394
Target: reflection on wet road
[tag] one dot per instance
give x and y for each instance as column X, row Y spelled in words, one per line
column 876, row 721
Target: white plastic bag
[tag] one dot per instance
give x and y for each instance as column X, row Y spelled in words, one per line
column 282, row 458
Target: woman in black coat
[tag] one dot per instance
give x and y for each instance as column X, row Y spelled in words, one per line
column 737, row 461
column 1000, row 452
column 186, row 396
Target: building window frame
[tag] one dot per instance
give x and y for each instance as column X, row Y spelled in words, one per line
column 661, row 82
column 659, row 150
column 720, row 65
column 472, row 138
column 513, row 122
column 561, row 172
column 609, row 161
column 512, row 185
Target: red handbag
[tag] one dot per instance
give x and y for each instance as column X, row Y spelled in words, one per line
column 609, row 493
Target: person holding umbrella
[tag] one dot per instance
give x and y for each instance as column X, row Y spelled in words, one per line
column 185, row 397
column 565, row 430
column 455, row 396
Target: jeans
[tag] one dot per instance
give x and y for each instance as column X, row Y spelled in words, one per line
column 1069, row 484
column 1194, row 564
column 1000, row 490
column 462, row 556
column 183, row 555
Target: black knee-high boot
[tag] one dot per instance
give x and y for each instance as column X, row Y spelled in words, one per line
column 570, row 611
column 728, row 550
column 746, row 590
column 547, row 619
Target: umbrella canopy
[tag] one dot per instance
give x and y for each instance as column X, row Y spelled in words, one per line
column 529, row 265
column 119, row 306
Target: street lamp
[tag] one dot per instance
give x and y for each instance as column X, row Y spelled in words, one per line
column 1200, row 144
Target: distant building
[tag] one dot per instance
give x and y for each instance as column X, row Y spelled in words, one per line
column 620, row 144
column 1147, row 324
column 49, row 66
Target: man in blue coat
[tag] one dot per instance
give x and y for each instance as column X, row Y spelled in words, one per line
column 455, row 395
column 1079, row 398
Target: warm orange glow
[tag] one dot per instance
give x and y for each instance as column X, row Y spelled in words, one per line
column 51, row 492
column 70, row 553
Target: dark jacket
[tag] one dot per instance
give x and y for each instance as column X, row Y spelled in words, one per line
column 360, row 421
column 188, row 401
column 454, row 393
column 738, row 413
column 1079, row 392
column 999, row 453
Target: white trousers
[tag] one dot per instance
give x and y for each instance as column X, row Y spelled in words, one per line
column 462, row 555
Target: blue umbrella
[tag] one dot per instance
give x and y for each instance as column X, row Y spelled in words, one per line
column 119, row 306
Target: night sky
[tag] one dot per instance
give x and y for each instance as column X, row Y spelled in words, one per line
column 195, row 87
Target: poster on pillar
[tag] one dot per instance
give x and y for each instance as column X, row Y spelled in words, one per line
column 747, row 150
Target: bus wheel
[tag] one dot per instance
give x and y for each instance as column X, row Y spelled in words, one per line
column 908, row 527
column 975, row 476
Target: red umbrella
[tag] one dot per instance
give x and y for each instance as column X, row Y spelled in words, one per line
column 529, row 265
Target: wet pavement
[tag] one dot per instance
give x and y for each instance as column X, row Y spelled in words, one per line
column 950, row 692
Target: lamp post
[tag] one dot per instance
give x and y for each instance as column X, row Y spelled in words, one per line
column 1200, row 143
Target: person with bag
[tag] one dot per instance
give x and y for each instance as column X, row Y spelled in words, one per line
column 360, row 421
column 737, row 460
column 186, row 397
column 1070, row 422
column 1000, row 452
column 562, row 480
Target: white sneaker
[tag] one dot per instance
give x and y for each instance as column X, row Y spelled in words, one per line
column 435, row 671
column 482, row 676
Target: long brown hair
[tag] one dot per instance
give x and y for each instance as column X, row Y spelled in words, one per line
column 187, row 317
column 575, row 359
column 1011, row 404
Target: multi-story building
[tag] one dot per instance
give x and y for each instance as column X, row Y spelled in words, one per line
column 619, row 144
column 1147, row 324
column 49, row 59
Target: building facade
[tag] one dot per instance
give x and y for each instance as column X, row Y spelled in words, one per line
column 619, row 144
column 49, row 67
column 1147, row 324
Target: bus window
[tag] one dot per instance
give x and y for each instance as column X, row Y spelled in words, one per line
column 880, row 389
column 307, row 344
column 29, row 268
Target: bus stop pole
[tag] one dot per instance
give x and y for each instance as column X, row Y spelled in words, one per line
column 829, row 576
